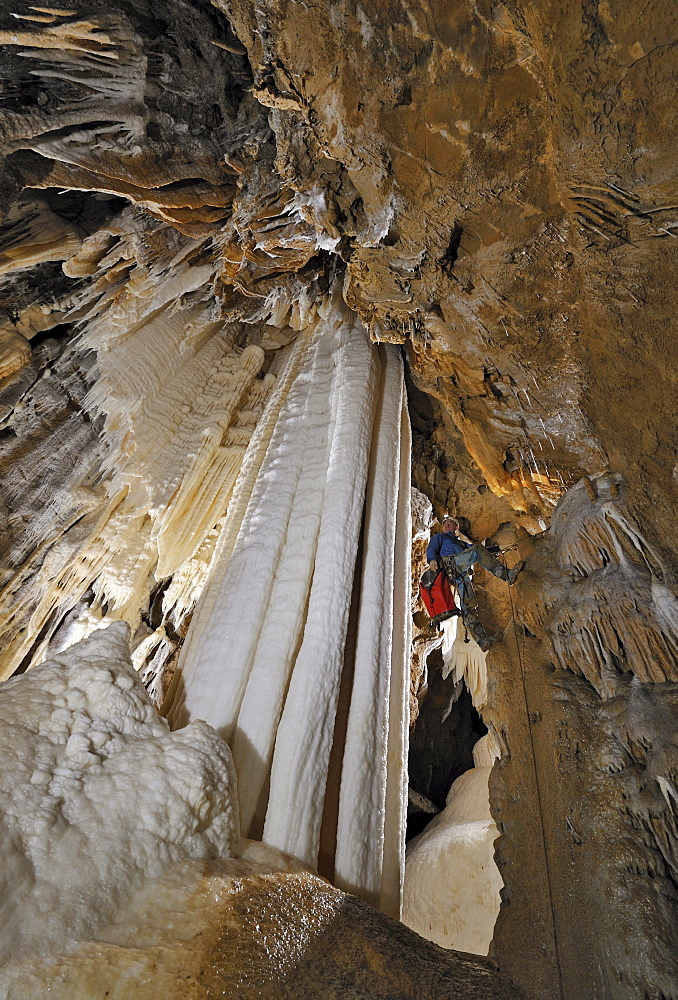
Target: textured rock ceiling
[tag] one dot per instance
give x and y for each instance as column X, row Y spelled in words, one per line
column 491, row 186
column 515, row 212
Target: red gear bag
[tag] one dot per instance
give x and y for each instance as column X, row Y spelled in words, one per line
column 438, row 598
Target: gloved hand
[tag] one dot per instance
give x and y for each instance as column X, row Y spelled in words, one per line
column 428, row 579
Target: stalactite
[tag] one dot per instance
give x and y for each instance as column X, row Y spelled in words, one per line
column 188, row 443
column 101, row 58
column 265, row 654
column 304, row 737
column 179, row 401
column 395, row 809
column 15, row 352
column 618, row 613
column 31, row 233
column 463, row 659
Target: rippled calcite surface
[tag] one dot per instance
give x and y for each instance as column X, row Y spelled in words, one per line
column 97, row 796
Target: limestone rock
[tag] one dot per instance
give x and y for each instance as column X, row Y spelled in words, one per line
column 235, row 928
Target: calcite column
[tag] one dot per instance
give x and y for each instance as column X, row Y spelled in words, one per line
column 308, row 596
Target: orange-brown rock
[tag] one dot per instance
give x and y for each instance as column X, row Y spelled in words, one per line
column 236, row 929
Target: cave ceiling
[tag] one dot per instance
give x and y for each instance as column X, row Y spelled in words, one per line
column 495, row 179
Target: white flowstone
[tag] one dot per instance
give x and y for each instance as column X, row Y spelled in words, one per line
column 362, row 803
column 267, row 650
column 452, row 884
column 97, row 796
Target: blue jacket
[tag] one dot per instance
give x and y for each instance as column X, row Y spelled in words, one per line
column 444, row 544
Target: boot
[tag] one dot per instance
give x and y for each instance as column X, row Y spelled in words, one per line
column 477, row 632
column 489, row 640
column 513, row 573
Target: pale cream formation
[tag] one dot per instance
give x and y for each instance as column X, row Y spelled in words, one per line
column 179, row 399
column 97, row 796
column 31, row 233
column 378, row 692
column 452, row 884
column 289, row 618
column 464, row 659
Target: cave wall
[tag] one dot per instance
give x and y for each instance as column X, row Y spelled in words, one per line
column 589, row 673
column 530, row 288
column 530, row 280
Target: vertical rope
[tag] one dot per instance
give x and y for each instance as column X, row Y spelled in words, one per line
column 556, row 950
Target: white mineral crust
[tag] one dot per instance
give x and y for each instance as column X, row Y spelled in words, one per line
column 97, row 797
column 451, row 881
column 288, row 615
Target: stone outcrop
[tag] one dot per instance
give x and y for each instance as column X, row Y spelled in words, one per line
column 239, row 928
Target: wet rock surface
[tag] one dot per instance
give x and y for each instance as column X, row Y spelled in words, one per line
column 236, row 929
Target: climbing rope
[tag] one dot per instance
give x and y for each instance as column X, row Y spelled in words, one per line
column 556, row 949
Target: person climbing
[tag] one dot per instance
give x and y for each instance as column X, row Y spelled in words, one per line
column 448, row 551
column 447, row 544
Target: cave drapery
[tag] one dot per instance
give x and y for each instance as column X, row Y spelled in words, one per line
column 276, row 621
column 221, row 226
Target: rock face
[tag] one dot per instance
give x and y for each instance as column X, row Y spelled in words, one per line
column 235, row 928
column 515, row 132
column 593, row 753
column 489, row 186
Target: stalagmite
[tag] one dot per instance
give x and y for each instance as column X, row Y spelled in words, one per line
column 81, row 744
column 452, row 884
column 259, row 929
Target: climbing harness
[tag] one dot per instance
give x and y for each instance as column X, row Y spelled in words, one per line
column 556, row 950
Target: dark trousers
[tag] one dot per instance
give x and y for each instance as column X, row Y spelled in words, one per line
column 457, row 569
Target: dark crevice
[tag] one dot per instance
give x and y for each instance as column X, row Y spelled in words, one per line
column 449, row 258
column 441, row 750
